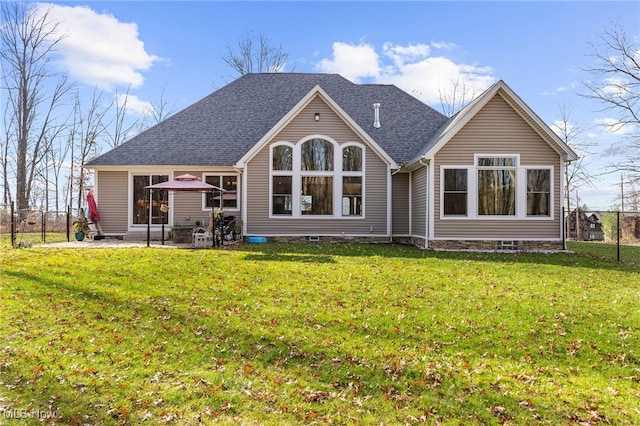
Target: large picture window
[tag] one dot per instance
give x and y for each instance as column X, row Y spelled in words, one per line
column 317, row 195
column 317, row 177
column 141, row 203
column 497, row 186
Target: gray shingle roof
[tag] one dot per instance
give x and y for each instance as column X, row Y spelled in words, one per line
column 220, row 128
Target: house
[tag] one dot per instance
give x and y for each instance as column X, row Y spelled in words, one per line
column 317, row 157
column 584, row 226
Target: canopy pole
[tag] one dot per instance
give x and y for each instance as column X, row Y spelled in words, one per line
column 221, row 217
column 149, row 220
column 213, row 218
column 165, row 199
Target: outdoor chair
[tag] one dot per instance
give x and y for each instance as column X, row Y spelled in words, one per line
column 200, row 237
column 95, row 231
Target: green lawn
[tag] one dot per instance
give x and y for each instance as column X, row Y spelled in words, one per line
column 628, row 253
column 318, row 333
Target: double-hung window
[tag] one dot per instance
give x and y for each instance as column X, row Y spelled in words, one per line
column 229, row 200
column 282, row 180
column 352, row 180
column 538, row 192
column 455, row 192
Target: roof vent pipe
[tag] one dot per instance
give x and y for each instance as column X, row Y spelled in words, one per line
column 376, row 115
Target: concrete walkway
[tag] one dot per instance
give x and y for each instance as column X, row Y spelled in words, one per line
column 116, row 243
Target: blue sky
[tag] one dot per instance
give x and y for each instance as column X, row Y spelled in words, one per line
column 538, row 48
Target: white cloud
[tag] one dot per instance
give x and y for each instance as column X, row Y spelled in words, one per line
column 400, row 55
column 353, row 62
column 99, row 50
column 413, row 67
column 134, row 104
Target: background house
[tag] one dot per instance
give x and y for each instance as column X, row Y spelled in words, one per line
column 584, row 226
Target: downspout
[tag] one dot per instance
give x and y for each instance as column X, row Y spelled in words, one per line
column 426, row 163
column 244, row 208
column 564, row 193
column 393, row 172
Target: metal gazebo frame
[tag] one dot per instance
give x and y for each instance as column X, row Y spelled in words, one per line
column 185, row 182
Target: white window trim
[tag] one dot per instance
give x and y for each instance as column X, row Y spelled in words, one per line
column 521, row 190
column 297, row 173
column 469, row 173
column 523, row 178
column 220, row 175
column 149, row 172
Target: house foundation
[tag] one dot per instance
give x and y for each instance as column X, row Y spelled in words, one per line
column 496, row 245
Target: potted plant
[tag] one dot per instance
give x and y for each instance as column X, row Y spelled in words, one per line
column 81, row 226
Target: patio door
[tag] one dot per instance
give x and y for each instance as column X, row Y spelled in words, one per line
column 140, row 206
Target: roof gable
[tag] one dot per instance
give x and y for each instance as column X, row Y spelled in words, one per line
column 317, row 91
column 458, row 121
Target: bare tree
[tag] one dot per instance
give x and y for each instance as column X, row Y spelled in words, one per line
column 121, row 129
column 56, row 156
column 615, row 83
column 255, row 54
column 86, row 134
column 160, row 109
column 577, row 174
column 456, row 97
column 5, row 153
column 27, row 39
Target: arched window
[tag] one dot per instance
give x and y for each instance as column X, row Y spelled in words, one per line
column 282, row 157
column 316, row 154
column 352, row 158
column 316, row 177
column 316, row 196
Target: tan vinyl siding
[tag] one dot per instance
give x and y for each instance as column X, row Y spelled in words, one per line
column 400, row 204
column 189, row 204
column 419, row 202
column 303, row 125
column 498, row 129
column 112, row 199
